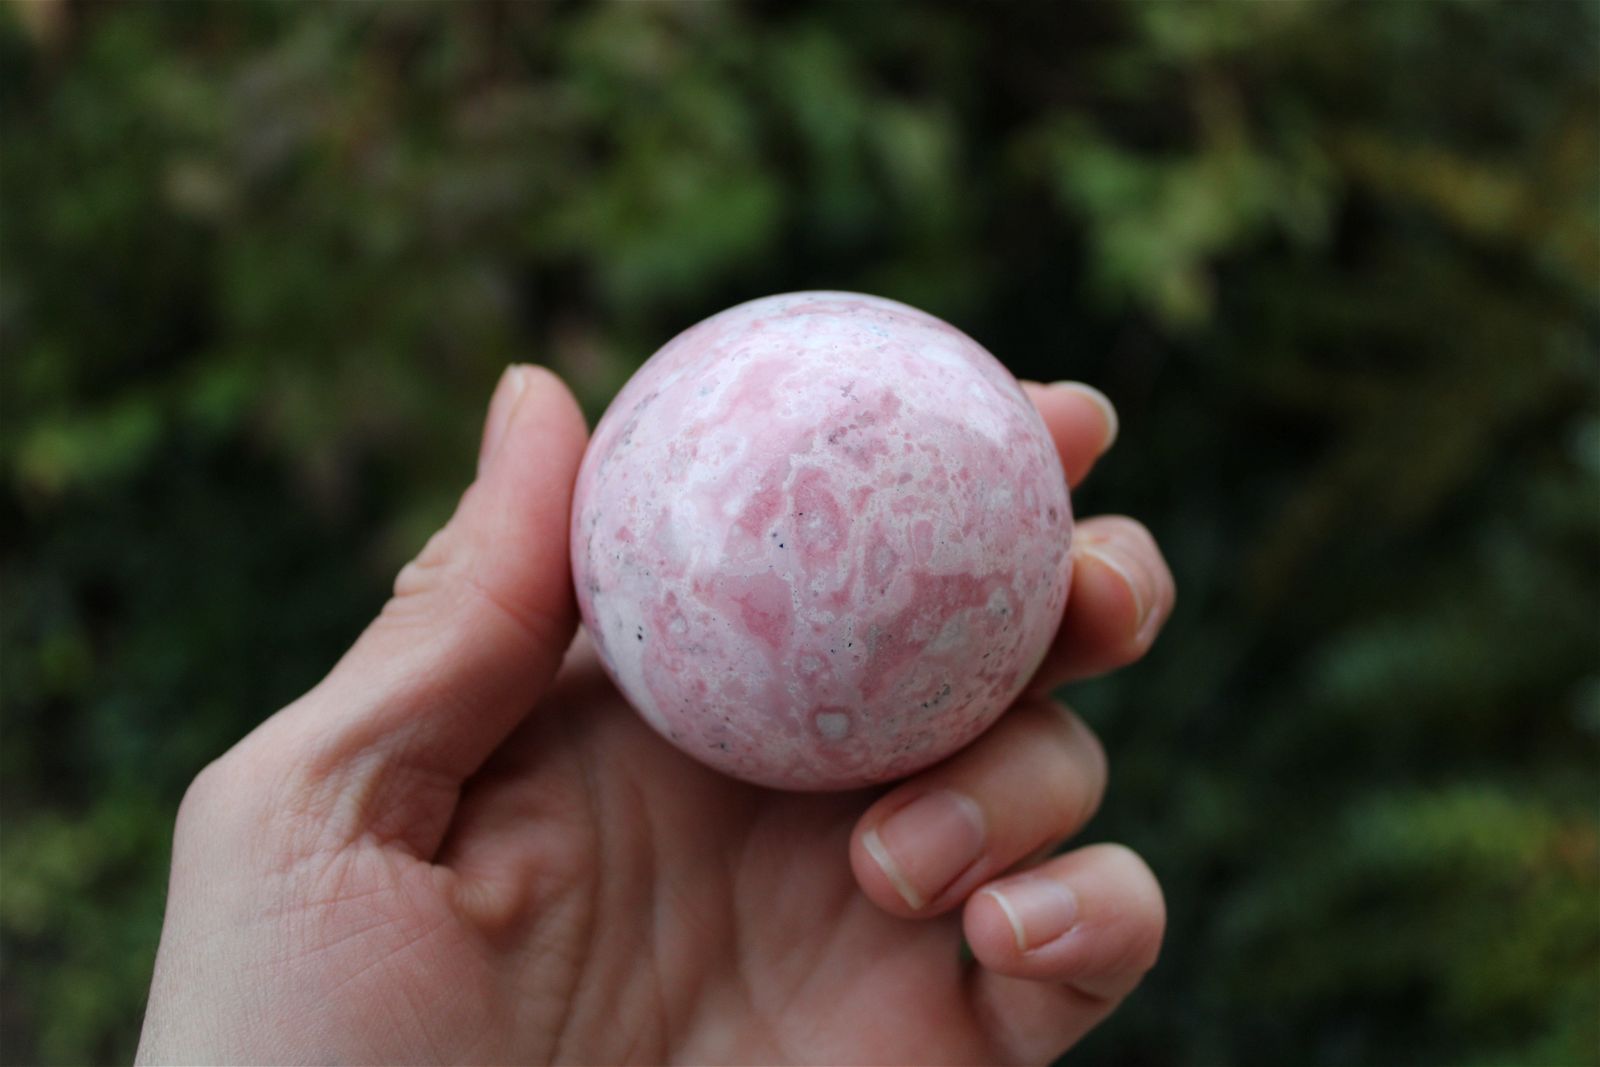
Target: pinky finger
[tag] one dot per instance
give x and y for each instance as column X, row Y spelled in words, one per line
column 1059, row 946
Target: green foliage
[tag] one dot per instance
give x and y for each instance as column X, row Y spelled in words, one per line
column 1338, row 264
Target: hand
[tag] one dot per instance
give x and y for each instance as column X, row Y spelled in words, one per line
column 458, row 848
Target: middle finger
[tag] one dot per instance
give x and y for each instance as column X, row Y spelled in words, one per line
column 1033, row 779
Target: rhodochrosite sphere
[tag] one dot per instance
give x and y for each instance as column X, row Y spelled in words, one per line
column 820, row 540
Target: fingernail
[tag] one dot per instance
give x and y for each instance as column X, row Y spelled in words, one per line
column 1105, row 553
column 1039, row 909
column 513, row 382
column 924, row 847
column 1101, row 401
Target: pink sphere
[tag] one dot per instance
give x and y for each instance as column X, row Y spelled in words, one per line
column 820, row 540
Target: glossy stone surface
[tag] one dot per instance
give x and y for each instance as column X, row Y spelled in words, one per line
column 821, row 540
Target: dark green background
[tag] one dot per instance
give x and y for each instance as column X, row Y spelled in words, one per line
column 1338, row 265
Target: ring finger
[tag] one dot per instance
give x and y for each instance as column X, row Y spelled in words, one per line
column 1033, row 779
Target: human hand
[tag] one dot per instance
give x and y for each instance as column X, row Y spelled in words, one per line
column 458, row 848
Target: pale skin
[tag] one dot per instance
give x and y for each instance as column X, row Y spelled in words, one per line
column 463, row 847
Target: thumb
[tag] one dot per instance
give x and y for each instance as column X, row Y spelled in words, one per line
column 472, row 636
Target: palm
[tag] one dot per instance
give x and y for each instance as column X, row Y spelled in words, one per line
column 716, row 920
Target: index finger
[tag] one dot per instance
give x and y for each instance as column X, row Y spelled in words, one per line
column 1081, row 421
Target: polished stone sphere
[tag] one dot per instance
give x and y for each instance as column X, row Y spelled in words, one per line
column 820, row 540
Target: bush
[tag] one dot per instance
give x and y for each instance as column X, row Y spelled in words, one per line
column 260, row 266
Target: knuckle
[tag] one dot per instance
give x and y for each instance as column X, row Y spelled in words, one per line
column 1166, row 587
column 540, row 627
column 1135, row 530
column 1135, row 649
column 201, row 796
column 238, row 795
column 423, row 572
column 1130, row 866
column 1140, row 887
column 217, row 798
column 1137, row 933
column 1138, row 646
column 1085, row 767
column 446, row 575
column 1133, row 541
column 1124, row 528
column 1125, row 652
column 1143, row 951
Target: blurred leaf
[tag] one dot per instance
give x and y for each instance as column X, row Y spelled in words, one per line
column 1337, row 263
